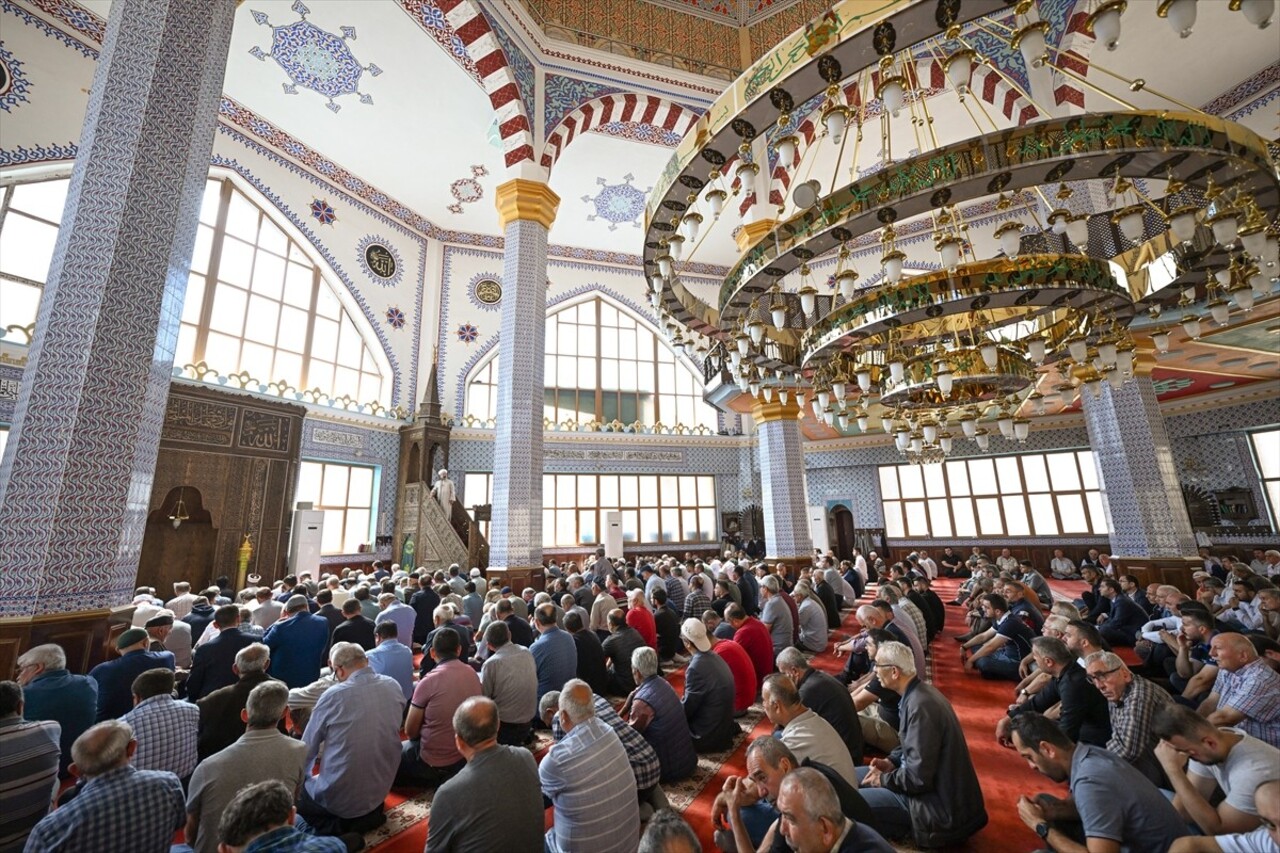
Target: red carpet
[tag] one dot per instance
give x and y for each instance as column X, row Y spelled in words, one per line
column 978, row 703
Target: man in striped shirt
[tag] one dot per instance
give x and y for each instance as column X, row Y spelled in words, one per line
column 589, row 781
column 28, row 767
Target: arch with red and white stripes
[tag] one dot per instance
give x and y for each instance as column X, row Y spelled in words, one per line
column 499, row 81
column 985, row 83
column 642, row 109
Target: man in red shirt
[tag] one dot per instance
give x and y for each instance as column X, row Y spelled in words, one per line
column 745, row 683
column 640, row 618
column 750, row 633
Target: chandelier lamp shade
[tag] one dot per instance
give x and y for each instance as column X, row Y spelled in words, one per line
column 1008, row 270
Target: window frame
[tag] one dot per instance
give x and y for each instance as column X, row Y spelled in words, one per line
column 1268, row 484
column 318, row 503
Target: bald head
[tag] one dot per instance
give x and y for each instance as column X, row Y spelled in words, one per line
column 102, row 748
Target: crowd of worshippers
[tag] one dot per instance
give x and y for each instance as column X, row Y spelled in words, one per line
column 214, row 715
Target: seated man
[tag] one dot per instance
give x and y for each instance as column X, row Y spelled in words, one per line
column 1124, row 619
column 618, row 647
column 298, row 643
column 1246, row 692
column 1081, row 709
column 509, row 676
column 803, row 731
column 391, row 657
column 262, row 754
column 117, row 801
column 165, row 730
column 877, row 705
column 1001, row 648
column 430, row 755
column 748, row 805
column 927, row 787
column 1219, row 758
column 589, row 781
column 220, row 723
column 356, row 723
column 709, row 691
column 50, row 692
column 28, row 767
column 654, row 710
column 115, row 677
column 1267, row 798
column 261, row 817
column 1132, row 702
column 813, row 820
column 466, row 817
column 826, row 697
column 1112, row 806
column 211, row 666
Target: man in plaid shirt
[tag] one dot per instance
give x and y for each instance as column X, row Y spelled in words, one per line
column 167, row 731
column 119, row 807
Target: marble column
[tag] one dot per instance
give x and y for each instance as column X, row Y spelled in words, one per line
column 786, row 517
column 526, row 210
column 1136, row 472
column 76, row 477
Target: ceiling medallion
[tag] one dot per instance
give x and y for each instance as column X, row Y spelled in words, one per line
column 315, row 59
column 380, row 261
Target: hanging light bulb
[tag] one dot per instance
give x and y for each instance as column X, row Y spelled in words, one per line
column 843, row 420
column 1225, row 227
column 735, row 358
column 1078, row 231
column 917, row 442
column 983, row 439
column 1114, row 378
column 1254, row 239
column 863, row 375
column 1094, row 385
column 949, row 250
column 664, row 265
column 1105, row 23
column 1010, row 237
column 893, row 92
column 689, row 225
column 768, row 393
column 835, row 118
column 968, row 424
column 1124, row 361
column 862, row 419
column 715, row 200
column 1021, row 429
column 946, row 380
column 784, row 394
column 655, row 299
column 886, row 424
column 1107, row 352
column 1037, row 403
column 786, row 148
column 1220, row 310
column 1029, row 41
column 1078, row 348
column 990, row 354
column 824, row 397
column 744, row 343
column 1161, row 340
column 930, row 432
column 1258, row 12
column 1191, row 325
column 657, row 282
column 1182, row 222
column 1181, row 15
column 838, row 390
column 959, row 67
column 829, row 415
column 1130, row 222
column 1036, row 350
column 745, row 173
column 902, row 437
column 1005, row 423
column 753, row 385
column 675, row 245
column 892, row 264
column 756, row 330
column 1058, row 221
column 846, row 283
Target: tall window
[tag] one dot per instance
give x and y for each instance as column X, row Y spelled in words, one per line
column 255, row 302
column 1266, row 449
column 1035, row 494
column 346, row 494
column 604, row 364
column 29, row 218
column 655, row 508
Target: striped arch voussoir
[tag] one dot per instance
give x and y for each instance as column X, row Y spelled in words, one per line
column 642, row 109
column 472, row 27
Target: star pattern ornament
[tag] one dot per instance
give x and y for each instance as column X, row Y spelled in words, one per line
column 617, row 204
column 467, row 333
column 395, row 318
column 322, row 212
column 314, row 58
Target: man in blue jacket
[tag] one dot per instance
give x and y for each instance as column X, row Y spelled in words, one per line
column 49, row 692
column 298, row 643
column 115, row 677
column 211, row 667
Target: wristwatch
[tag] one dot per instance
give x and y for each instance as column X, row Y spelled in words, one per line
column 1042, row 830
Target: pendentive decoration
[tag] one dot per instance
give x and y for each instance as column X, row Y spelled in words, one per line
column 380, row 261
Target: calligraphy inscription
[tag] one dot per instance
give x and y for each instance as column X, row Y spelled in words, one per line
column 380, row 260
column 9, row 389
column 488, row 291
column 264, row 431
column 616, row 455
column 195, row 436
column 183, row 411
column 337, row 438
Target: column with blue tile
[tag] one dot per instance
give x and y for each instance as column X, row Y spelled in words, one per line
column 76, row 477
column 782, row 481
column 1139, row 481
column 526, row 210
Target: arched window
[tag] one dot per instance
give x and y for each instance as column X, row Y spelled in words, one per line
column 255, row 301
column 603, row 363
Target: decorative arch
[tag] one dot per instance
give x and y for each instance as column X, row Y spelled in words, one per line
column 489, row 350
column 496, row 76
column 643, row 109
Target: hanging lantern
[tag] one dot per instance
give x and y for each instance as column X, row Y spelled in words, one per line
column 945, row 380
column 1010, row 237
column 1030, row 42
column 1161, row 340
column 983, row 439
column 835, row 118
column 968, row 424
column 689, row 225
column 1078, row 231
column 930, row 432
column 959, row 67
column 990, row 354
column 1078, row 348
column 1244, row 297
column 1105, row 23
column 784, row 394
column 744, row 343
column 949, row 250
column 756, row 330
column 1124, row 361
column 1094, row 385
column 808, row 299
column 1005, row 423
column 1058, row 220
column 778, row 312
column 863, row 376
column 675, row 245
column 829, row 415
column 1037, row 403
column 1181, row 15
column 945, row 442
column 1220, row 310
column 838, row 390
column 1182, row 222
column 1225, row 227
column 1254, row 239
column 886, row 424
column 893, row 92
column 863, row 420
column 892, row 265
column 896, row 371
column 1107, row 352
column 1021, row 429
column 843, row 420
column 1258, row 12
column 786, row 148
column 715, row 200
column 1130, row 223
column 846, row 283
column 917, row 442
column 1036, row 350
column 768, row 393
column 664, row 265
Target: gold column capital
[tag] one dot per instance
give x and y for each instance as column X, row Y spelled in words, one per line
column 523, row 199
column 775, row 410
column 752, row 232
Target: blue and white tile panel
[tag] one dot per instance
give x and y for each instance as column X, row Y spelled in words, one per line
column 782, row 477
